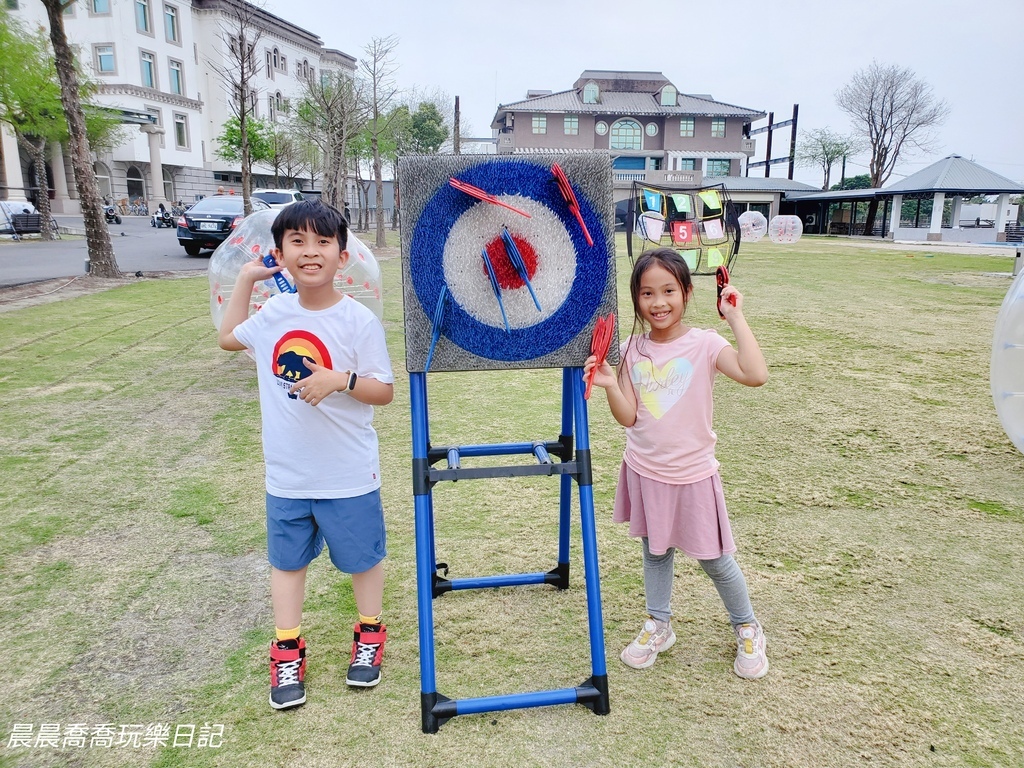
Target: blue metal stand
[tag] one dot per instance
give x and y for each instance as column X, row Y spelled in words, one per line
column 593, row 692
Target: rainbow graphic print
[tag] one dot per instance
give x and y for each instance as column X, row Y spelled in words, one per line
column 289, row 353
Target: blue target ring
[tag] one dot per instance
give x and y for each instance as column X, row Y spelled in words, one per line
column 535, row 182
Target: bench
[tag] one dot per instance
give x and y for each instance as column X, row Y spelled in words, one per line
column 27, row 223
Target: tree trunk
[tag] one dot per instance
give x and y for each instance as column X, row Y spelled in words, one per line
column 38, row 154
column 378, row 178
column 102, row 261
column 869, row 222
column 394, row 212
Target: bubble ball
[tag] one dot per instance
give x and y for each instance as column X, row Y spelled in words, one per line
column 359, row 278
column 785, row 229
column 753, row 226
column 1007, row 369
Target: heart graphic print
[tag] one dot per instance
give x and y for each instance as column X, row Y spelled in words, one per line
column 661, row 388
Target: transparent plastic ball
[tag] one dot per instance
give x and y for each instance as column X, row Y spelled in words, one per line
column 753, row 226
column 785, row 229
column 359, row 278
column 1007, row 369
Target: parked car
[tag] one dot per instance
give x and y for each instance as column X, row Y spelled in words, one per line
column 278, row 198
column 209, row 222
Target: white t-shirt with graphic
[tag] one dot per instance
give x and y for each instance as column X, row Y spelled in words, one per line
column 326, row 451
column 672, row 440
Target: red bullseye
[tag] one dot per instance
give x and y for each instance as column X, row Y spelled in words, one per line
column 505, row 273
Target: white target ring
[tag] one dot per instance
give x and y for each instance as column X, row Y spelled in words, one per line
column 554, row 263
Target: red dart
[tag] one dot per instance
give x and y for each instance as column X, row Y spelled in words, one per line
column 600, row 343
column 570, row 198
column 479, row 194
column 722, row 278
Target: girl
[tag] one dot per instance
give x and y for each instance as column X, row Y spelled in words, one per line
column 669, row 490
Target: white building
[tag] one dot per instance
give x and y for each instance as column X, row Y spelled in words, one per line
column 158, row 62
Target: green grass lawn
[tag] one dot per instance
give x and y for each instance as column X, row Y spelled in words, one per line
column 876, row 502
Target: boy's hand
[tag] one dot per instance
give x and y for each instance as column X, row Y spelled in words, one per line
column 605, row 375
column 256, row 271
column 319, row 384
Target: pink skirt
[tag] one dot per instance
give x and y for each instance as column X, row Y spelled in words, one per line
column 691, row 518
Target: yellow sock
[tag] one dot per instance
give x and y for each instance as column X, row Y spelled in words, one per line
column 371, row 619
column 288, row 634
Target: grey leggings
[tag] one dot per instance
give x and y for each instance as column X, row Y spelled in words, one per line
column 726, row 575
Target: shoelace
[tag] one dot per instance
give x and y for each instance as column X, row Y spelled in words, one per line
column 288, row 672
column 365, row 653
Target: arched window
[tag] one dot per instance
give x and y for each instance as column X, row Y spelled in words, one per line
column 136, row 185
column 279, row 102
column 277, row 59
column 626, row 134
column 668, row 96
column 591, row 93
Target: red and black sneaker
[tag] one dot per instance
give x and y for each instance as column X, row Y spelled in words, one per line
column 287, row 672
column 367, row 654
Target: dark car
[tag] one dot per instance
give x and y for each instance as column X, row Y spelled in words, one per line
column 209, row 222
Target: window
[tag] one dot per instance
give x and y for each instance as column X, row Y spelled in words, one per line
column 102, row 179
column 626, row 134
column 100, row 7
column 177, row 82
column 716, row 168
column 270, row 65
column 148, row 69
column 142, row 16
column 277, row 59
column 668, row 96
column 284, row 64
column 684, row 164
column 180, row 131
column 601, row 128
column 155, row 112
column 686, row 127
column 591, row 93
column 540, row 123
column 280, row 104
column 171, row 24
column 652, row 129
column 270, row 107
column 571, row 125
column 103, row 56
column 718, row 128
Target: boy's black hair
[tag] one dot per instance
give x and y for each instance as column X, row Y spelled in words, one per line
column 311, row 216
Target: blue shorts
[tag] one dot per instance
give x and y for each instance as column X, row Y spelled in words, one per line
column 353, row 530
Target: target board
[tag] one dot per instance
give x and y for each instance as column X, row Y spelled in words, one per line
column 507, row 262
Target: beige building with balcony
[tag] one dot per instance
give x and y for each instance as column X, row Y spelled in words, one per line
column 655, row 133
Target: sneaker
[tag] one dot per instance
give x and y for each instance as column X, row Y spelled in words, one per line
column 367, row 654
column 287, row 671
column 655, row 637
column 751, row 661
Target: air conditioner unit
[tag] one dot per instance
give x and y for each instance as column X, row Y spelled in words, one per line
column 811, row 219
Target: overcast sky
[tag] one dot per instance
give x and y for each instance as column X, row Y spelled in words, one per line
column 766, row 55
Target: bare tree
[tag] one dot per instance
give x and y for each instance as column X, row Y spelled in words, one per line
column 379, row 70
column 822, row 148
column 240, row 31
column 894, row 112
column 330, row 113
column 102, row 261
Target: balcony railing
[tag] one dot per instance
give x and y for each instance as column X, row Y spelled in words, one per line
column 623, row 178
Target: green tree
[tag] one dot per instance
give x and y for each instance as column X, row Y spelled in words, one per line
column 863, row 181
column 378, row 69
column 823, row 148
column 427, row 129
column 258, row 147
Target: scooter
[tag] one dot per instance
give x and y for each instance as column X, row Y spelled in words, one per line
column 164, row 219
column 111, row 215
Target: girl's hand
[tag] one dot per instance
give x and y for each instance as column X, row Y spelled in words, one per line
column 605, row 375
column 732, row 302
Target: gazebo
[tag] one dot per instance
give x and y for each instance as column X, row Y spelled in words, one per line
column 952, row 176
column 958, row 178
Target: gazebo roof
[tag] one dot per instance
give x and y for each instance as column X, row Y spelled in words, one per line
column 954, row 175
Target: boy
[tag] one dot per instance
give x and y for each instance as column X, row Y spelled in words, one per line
column 321, row 364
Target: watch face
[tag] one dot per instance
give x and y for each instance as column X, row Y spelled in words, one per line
column 601, row 128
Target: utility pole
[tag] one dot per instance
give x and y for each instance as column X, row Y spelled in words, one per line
column 456, row 148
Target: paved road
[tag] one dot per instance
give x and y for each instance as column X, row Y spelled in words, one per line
column 137, row 246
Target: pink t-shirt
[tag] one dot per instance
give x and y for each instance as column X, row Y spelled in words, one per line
column 672, row 440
